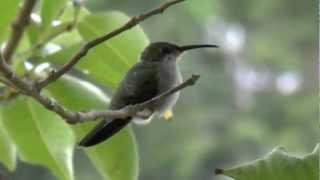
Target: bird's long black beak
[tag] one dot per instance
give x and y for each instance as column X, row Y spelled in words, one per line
column 196, row 46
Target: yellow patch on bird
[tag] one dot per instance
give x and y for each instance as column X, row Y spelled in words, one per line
column 168, row 115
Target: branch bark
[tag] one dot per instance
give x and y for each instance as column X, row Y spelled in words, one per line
column 30, row 89
column 85, row 49
column 17, row 28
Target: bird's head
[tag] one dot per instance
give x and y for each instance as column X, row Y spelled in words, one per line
column 164, row 51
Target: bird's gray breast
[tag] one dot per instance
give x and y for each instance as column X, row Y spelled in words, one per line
column 169, row 77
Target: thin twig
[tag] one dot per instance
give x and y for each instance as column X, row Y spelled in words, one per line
column 85, row 49
column 18, row 26
column 67, row 28
column 189, row 82
column 131, row 110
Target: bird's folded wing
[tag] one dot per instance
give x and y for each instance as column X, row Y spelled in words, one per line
column 140, row 84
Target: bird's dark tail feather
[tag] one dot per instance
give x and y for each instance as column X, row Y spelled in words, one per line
column 103, row 131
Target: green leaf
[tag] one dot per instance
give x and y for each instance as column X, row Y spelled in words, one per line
column 64, row 54
column 33, row 31
column 40, row 136
column 108, row 62
column 116, row 159
column 278, row 165
column 77, row 94
column 50, row 10
column 7, row 149
column 68, row 39
column 7, row 14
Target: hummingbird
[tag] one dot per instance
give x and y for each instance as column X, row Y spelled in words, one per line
column 156, row 72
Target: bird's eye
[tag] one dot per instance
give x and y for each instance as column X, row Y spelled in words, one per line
column 165, row 50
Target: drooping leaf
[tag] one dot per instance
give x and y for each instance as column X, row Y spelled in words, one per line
column 7, row 14
column 40, row 136
column 278, row 165
column 7, row 149
column 116, row 159
column 108, row 62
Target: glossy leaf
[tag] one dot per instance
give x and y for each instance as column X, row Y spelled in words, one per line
column 278, row 165
column 7, row 14
column 7, row 149
column 40, row 136
column 108, row 62
column 116, row 159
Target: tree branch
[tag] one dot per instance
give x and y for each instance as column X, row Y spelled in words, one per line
column 32, row 89
column 85, row 49
column 18, row 26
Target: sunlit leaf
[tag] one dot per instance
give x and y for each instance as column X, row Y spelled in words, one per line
column 40, row 136
column 116, row 159
column 7, row 149
column 108, row 62
column 278, row 165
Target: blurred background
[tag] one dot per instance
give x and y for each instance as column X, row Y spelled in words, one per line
column 257, row 91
